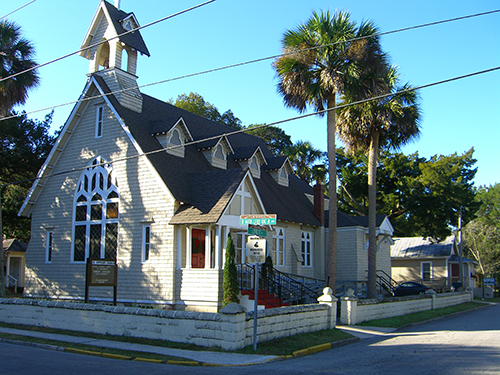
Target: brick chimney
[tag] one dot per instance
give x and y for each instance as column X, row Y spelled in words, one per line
column 319, row 202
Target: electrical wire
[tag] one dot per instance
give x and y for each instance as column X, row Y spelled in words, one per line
column 248, row 62
column 15, row 10
column 107, row 40
column 259, row 126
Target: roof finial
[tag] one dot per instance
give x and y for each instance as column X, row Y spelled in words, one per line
column 117, row 4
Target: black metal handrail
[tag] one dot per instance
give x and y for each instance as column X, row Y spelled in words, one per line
column 277, row 283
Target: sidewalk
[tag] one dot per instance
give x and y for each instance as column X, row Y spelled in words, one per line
column 207, row 358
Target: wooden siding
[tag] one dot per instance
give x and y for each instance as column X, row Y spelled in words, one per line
column 142, row 197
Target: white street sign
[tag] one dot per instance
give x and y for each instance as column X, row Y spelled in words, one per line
column 256, row 249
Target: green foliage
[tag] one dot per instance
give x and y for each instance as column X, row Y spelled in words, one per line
column 230, row 286
column 482, row 235
column 303, row 155
column 25, row 144
column 195, row 103
column 275, row 138
column 15, row 56
column 420, row 196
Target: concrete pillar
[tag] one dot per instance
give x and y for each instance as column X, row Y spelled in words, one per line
column 331, row 301
column 178, row 234
column 348, row 309
column 208, row 244
column 218, row 247
column 189, row 240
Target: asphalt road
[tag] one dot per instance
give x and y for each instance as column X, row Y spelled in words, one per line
column 468, row 343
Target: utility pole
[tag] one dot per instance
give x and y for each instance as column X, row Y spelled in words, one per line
column 460, row 249
column 2, row 273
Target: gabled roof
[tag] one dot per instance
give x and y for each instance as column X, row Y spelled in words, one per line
column 115, row 16
column 203, row 189
column 418, row 247
column 14, row 246
column 346, row 220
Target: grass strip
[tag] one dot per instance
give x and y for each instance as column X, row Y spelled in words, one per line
column 399, row 321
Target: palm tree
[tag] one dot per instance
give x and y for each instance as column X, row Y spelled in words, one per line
column 16, row 55
column 390, row 122
column 302, row 156
column 320, row 59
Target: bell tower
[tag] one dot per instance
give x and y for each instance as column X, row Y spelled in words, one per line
column 112, row 49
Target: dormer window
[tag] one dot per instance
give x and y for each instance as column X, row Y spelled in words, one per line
column 280, row 169
column 253, row 164
column 175, row 138
column 219, row 153
column 216, row 151
column 283, row 173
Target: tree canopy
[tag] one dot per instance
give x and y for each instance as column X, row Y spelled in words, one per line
column 195, row 103
column 16, row 55
column 421, row 197
column 482, row 235
column 26, row 144
column 321, row 58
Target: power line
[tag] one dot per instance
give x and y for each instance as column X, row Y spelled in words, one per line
column 106, row 41
column 248, row 62
column 259, row 127
column 15, row 10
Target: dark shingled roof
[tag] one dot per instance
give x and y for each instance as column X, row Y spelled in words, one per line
column 133, row 39
column 206, row 190
column 14, row 245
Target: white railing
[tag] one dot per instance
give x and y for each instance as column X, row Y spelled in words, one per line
column 12, row 280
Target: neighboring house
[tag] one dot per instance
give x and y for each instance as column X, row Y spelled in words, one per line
column 435, row 264
column 156, row 188
column 14, row 262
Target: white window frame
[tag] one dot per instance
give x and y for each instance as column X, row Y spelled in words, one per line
column 306, row 246
column 422, row 270
column 106, row 186
column 146, row 243
column 99, row 121
column 279, row 246
column 49, row 246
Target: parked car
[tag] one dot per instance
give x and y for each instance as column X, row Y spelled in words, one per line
column 409, row 288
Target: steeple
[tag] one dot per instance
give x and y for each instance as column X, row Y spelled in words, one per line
column 112, row 55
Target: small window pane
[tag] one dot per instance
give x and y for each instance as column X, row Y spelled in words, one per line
column 79, row 252
column 95, row 241
column 112, row 211
column 96, row 212
column 111, row 244
column 81, row 213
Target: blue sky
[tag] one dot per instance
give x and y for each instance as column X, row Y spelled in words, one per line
column 456, row 116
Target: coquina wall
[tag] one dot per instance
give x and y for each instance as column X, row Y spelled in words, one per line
column 230, row 329
column 354, row 311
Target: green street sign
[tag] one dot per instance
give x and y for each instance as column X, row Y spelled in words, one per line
column 260, row 219
column 257, row 231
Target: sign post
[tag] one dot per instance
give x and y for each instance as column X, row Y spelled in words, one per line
column 101, row 272
column 256, row 254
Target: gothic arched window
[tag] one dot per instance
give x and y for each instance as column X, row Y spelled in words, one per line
column 95, row 213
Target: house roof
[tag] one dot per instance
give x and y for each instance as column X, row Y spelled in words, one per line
column 206, row 190
column 418, row 247
column 14, row 245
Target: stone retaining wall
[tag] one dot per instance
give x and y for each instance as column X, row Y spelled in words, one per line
column 230, row 329
column 354, row 311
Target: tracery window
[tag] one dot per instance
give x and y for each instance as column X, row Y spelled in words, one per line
column 96, row 207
